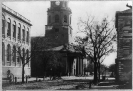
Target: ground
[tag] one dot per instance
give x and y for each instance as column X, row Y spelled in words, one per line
column 48, row 84
column 66, row 83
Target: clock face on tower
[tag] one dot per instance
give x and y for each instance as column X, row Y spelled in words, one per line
column 57, row 2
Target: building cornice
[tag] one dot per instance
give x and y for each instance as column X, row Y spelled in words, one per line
column 15, row 14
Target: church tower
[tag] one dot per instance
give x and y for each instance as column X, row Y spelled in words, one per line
column 58, row 28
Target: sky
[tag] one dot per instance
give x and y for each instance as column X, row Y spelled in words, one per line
column 36, row 12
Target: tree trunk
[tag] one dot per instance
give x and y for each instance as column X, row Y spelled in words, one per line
column 95, row 72
column 22, row 73
column 99, row 70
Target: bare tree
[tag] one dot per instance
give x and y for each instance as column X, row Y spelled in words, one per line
column 98, row 41
column 24, row 56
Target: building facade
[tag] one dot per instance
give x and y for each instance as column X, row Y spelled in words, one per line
column 15, row 37
column 124, row 45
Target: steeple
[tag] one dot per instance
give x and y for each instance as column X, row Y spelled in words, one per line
column 58, row 5
column 59, row 22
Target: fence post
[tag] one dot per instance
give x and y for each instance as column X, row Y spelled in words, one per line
column 90, row 84
column 36, row 78
column 26, row 79
column 15, row 80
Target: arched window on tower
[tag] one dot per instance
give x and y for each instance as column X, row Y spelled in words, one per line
column 14, row 29
column 56, row 18
column 9, row 28
column 65, row 18
column 3, row 53
column 49, row 19
column 8, row 55
column 3, row 26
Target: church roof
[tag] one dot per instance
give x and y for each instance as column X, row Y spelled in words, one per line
column 65, row 48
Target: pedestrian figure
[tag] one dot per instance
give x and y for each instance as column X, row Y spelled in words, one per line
column 9, row 76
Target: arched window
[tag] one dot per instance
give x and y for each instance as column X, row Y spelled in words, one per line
column 14, row 29
column 14, row 55
column 3, row 26
column 9, row 28
column 3, row 53
column 23, row 53
column 8, row 54
column 49, row 19
column 70, row 19
column 18, row 57
column 65, row 18
column 23, row 33
column 27, row 38
column 27, row 52
column 19, row 31
column 56, row 18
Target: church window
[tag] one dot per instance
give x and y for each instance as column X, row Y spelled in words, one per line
column 56, row 18
column 65, row 18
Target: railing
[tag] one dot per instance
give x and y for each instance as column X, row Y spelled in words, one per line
column 9, row 37
column 14, row 39
column 23, row 41
column 19, row 41
column 27, row 43
column 15, row 13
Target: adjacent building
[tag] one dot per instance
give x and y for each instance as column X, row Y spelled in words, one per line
column 15, row 37
column 124, row 45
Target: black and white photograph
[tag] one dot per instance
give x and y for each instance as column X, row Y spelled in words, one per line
column 66, row 45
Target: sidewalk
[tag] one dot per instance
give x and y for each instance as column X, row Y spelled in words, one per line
column 106, row 84
column 29, row 80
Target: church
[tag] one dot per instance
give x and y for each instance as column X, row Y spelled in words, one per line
column 57, row 40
